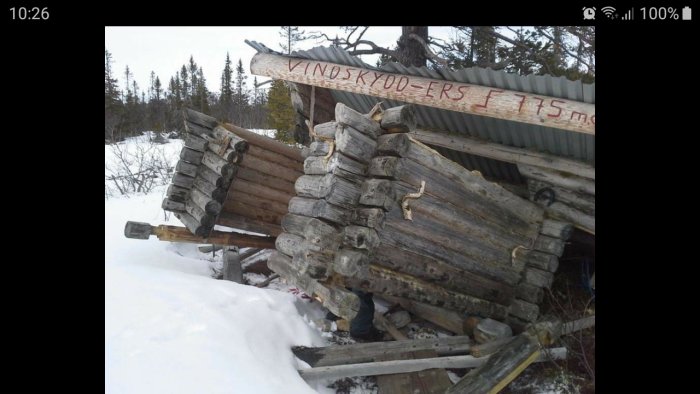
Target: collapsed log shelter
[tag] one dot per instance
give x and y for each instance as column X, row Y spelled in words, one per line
column 464, row 208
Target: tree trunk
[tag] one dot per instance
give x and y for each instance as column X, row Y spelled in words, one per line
column 411, row 52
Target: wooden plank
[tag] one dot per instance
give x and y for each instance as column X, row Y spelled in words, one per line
column 326, row 130
column 270, row 168
column 271, row 181
column 354, row 144
column 580, row 201
column 249, row 211
column 313, row 263
column 249, row 198
column 289, row 244
column 411, row 240
column 366, row 352
column 557, row 229
column 385, row 281
column 443, row 274
column 406, row 366
column 276, row 158
column 538, row 277
column 214, row 178
column 440, row 186
column 295, row 224
column 578, row 325
column 199, row 118
column 177, row 193
column 232, row 269
column 449, row 320
column 206, row 203
column 332, row 188
column 182, row 180
column 263, row 191
column 190, row 155
column 347, row 116
column 509, row 154
column 171, row 205
column 186, row 168
column 400, row 119
column 507, row 363
column 368, row 217
column 266, row 143
column 578, row 218
column 180, row 234
column 195, row 142
column 217, row 164
column 550, row 245
column 340, row 301
column 351, row 263
column 429, row 381
column 455, row 96
column 494, row 233
column 235, row 142
column 338, row 164
column 558, row 178
column 319, row 209
column 529, row 293
column 236, row 221
column 322, row 236
column 537, row 259
column 476, row 185
column 205, row 219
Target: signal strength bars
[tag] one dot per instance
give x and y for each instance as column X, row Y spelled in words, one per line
column 629, row 15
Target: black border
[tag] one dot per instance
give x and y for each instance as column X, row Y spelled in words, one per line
column 644, row 145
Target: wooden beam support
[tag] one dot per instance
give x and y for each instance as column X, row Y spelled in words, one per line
column 505, row 153
column 406, row 366
column 455, row 96
column 139, row 230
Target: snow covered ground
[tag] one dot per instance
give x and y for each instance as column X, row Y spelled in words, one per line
column 171, row 328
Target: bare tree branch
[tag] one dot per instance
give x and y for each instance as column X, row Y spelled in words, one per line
column 563, row 47
column 427, row 49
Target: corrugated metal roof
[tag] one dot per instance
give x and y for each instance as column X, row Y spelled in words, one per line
column 521, row 135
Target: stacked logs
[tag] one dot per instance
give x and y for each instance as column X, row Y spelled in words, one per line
column 381, row 212
column 231, row 177
column 262, row 185
column 204, row 173
column 564, row 196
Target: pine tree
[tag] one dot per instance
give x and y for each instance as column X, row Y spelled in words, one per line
column 280, row 111
column 184, row 86
column 240, row 96
column 226, row 97
column 113, row 104
column 202, row 93
column 291, row 35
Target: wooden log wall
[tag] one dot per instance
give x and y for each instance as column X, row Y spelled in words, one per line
column 564, row 196
column 231, row 177
column 467, row 248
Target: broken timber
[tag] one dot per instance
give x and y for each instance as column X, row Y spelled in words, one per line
column 471, row 247
column 139, row 230
column 472, row 99
column 232, row 177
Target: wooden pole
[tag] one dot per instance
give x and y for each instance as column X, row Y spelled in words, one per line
column 406, row 366
column 505, row 153
column 139, row 230
column 455, row 96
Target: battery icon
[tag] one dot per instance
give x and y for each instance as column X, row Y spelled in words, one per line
column 686, row 13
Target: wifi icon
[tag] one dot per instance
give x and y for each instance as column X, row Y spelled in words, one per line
column 609, row 12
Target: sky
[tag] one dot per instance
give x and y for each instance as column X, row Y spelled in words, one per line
column 165, row 49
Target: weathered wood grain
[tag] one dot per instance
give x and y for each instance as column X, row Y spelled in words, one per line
column 400, row 119
column 347, row 116
column 455, row 96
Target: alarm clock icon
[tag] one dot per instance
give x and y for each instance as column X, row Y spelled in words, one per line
column 588, row 13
